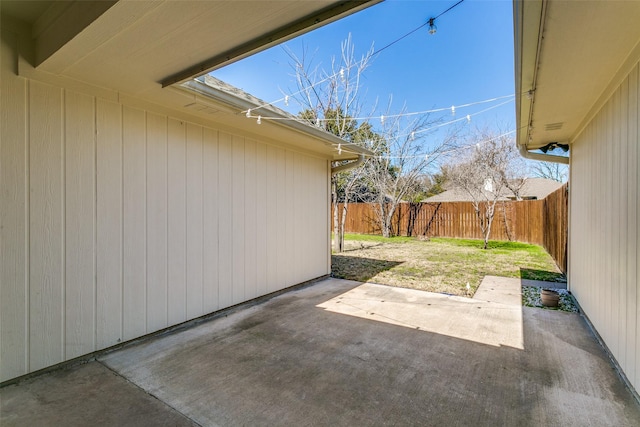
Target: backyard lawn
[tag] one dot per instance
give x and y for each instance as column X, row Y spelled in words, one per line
column 439, row 265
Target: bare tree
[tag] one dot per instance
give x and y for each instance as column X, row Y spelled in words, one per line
column 331, row 100
column 513, row 172
column 550, row 170
column 402, row 159
column 486, row 175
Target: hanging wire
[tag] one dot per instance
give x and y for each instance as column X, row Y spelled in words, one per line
column 429, row 155
column 467, row 117
column 382, row 118
column 374, row 54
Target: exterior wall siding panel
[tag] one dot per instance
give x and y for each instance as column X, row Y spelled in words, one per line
column 118, row 221
column 604, row 215
column 14, row 216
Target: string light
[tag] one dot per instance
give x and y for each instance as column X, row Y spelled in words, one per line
column 341, row 73
column 452, row 150
column 382, row 118
column 286, row 100
column 388, row 157
column 412, row 135
column 432, row 26
column 450, row 122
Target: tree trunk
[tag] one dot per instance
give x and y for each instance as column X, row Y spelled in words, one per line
column 342, row 223
column 389, row 220
column 489, row 218
column 334, row 199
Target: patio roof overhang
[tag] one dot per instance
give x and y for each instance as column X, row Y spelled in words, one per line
column 137, row 46
column 569, row 57
column 150, row 51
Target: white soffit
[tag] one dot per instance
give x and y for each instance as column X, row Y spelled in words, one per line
column 583, row 46
column 135, row 46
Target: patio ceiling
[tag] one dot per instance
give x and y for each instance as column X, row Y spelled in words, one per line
column 136, row 46
column 569, row 55
column 140, row 51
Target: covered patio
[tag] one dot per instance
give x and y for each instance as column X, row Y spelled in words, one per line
column 338, row 352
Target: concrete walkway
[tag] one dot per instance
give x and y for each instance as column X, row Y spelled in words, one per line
column 345, row 353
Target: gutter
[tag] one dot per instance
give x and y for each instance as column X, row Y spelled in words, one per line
column 524, row 107
column 243, row 101
column 524, row 152
column 348, row 166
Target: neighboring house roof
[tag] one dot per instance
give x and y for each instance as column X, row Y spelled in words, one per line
column 533, row 189
column 539, row 187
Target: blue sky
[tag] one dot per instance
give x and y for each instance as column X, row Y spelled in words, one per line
column 469, row 59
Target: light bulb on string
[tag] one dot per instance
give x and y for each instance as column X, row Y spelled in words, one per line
column 432, row 30
column 468, row 118
column 381, row 120
column 286, row 100
column 413, row 136
column 453, row 110
column 432, row 26
column 342, row 74
column 248, row 113
column 259, row 121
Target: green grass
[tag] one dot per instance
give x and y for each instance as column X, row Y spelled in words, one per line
column 441, row 264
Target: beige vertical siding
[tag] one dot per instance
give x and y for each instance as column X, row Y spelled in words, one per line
column 118, row 221
column 604, row 224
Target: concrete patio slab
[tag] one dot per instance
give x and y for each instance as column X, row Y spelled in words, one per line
column 346, row 353
column 84, row 395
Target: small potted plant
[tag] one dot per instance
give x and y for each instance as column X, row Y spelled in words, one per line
column 549, row 297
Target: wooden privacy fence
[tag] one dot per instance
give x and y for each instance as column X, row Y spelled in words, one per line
column 541, row 222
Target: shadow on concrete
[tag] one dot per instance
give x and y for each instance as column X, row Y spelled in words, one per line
column 334, row 354
column 357, row 268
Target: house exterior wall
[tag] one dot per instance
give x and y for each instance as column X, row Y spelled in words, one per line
column 118, row 221
column 604, row 223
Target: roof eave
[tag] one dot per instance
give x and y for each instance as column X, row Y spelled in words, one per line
column 352, row 151
column 528, row 25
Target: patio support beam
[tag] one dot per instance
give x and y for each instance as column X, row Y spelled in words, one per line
column 278, row 36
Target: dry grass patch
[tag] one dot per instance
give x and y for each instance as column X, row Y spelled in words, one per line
column 439, row 265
